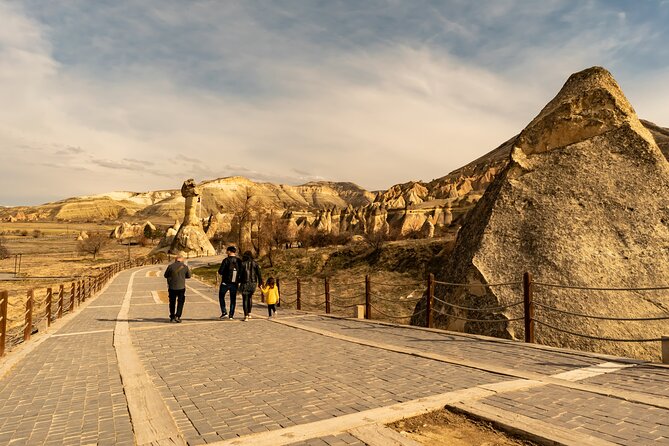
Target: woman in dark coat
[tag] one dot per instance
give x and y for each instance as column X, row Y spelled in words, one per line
column 251, row 278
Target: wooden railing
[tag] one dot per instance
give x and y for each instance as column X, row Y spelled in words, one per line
column 78, row 292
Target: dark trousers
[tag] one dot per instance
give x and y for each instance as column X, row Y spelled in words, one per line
column 247, row 298
column 224, row 288
column 270, row 308
column 177, row 298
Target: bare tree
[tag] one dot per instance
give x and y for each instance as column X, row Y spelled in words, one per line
column 243, row 216
column 94, row 244
column 272, row 233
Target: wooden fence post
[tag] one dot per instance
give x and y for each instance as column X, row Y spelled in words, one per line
column 528, row 307
column 327, row 296
column 278, row 287
column 49, row 299
column 28, row 329
column 368, row 297
column 299, row 294
column 4, row 298
column 61, row 297
column 429, row 301
column 73, row 295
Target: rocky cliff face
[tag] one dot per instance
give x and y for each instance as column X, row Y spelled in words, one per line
column 582, row 201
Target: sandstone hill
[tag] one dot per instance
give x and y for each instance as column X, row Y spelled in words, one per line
column 581, row 201
column 217, row 195
column 330, row 206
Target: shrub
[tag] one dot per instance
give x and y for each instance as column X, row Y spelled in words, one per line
column 4, row 252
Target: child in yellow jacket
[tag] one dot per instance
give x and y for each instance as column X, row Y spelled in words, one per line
column 271, row 293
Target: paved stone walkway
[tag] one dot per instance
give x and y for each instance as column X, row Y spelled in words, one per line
column 301, row 379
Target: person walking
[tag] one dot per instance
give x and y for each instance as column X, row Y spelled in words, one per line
column 271, row 293
column 251, row 278
column 231, row 276
column 176, row 275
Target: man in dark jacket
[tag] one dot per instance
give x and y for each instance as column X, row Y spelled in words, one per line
column 176, row 275
column 231, row 276
column 251, row 278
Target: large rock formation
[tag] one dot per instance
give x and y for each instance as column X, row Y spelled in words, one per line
column 132, row 234
column 582, row 201
column 190, row 238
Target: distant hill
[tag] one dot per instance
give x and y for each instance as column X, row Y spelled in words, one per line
column 409, row 205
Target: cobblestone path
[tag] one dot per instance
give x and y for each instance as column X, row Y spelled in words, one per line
column 300, row 379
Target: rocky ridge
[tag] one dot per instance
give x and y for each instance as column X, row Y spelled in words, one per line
column 582, row 201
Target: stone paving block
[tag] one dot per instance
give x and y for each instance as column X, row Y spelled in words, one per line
column 603, row 417
column 224, row 379
column 511, row 355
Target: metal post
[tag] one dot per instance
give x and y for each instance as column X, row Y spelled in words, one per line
column 4, row 297
column 327, row 296
column 429, row 301
column 27, row 331
column 49, row 298
column 528, row 307
column 61, row 296
column 299, row 294
column 368, row 297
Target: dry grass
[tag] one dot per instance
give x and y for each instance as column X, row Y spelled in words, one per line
column 50, row 261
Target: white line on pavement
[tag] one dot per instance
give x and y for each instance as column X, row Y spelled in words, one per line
column 201, row 294
column 592, row 371
column 152, row 422
column 81, row 333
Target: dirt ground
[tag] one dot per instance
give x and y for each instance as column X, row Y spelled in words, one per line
column 444, row 428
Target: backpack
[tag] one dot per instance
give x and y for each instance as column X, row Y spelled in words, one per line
column 249, row 268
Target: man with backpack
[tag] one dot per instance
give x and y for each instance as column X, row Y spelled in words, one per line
column 231, row 276
column 176, row 275
column 251, row 278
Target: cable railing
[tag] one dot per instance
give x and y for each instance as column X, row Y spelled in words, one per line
column 376, row 301
column 55, row 303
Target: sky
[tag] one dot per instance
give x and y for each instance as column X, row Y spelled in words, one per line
column 139, row 95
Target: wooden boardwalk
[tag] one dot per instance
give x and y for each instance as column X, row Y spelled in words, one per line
column 118, row 373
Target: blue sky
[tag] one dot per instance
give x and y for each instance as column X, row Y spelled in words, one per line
column 139, row 95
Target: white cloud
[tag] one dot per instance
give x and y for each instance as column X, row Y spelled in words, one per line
column 376, row 115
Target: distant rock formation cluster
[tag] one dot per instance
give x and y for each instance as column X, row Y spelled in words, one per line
column 581, row 201
column 132, row 234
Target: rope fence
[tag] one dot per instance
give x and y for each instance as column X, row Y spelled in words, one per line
column 378, row 304
column 38, row 313
column 597, row 338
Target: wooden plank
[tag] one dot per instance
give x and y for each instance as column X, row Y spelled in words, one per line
column 529, row 428
column 151, row 420
column 380, row 435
